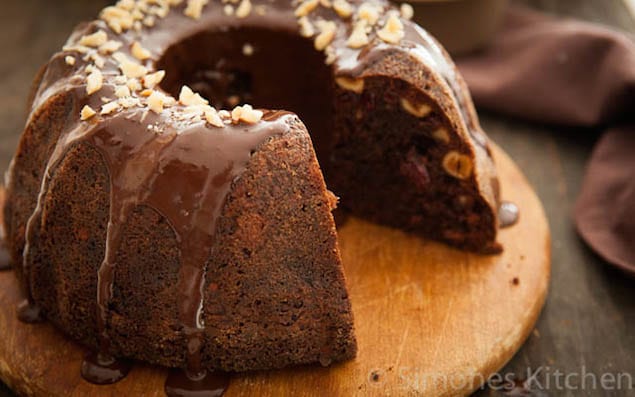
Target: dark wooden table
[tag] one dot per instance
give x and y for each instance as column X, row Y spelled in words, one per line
column 588, row 324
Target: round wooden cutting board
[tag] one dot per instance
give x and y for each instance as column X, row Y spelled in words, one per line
column 430, row 320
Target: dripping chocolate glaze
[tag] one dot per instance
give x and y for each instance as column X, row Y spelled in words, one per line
column 185, row 174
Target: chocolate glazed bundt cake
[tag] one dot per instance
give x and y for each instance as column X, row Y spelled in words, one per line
column 147, row 224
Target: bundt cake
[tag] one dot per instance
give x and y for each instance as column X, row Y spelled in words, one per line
column 147, row 224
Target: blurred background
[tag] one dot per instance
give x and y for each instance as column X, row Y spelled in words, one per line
column 589, row 318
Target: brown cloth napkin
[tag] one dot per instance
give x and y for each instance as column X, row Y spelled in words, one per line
column 579, row 74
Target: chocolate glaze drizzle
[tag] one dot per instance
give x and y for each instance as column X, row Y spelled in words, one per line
column 5, row 259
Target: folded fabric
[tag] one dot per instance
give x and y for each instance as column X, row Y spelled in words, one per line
column 572, row 73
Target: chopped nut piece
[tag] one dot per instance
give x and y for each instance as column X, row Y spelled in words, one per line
column 416, row 109
column 126, row 4
column 133, row 84
column 139, row 52
column 358, row 37
column 194, row 8
column 306, row 7
column 212, row 117
column 122, row 91
column 87, row 112
column 392, row 32
column 441, row 135
column 458, row 165
column 110, row 46
column 247, row 114
column 94, row 40
column 326, row 36
column 149, row 21
column 98, row 60
column 228, row 9
column 351, row 84
column 118, row 19
column 109, row 107
column 151, row 80
column 131, row 69
column 369, row 13
column 156, row 101
column 407, row 12
column 343, row 8
column 188, row 97
column 244, row 9
column 128, row 102
column 224, row 114
column 306, row 27
column 94, row 82
column 331, row 56
column 248, row 50
column 70, row 60
column 326, row 3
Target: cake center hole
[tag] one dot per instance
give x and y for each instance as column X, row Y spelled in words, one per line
column 263, row 67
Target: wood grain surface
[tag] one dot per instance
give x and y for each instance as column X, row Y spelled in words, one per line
column 430, row 320
column 589, row 318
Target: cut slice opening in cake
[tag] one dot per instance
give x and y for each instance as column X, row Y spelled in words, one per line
column 377, row 132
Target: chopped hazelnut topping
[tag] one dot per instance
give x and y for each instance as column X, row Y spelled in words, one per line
column 306, row 7
column 151, row 80
column 358, row 37
column 392, row 32
column 416, row 109
column 129, row 68
column 306, row 27
column 351, row 84
column 369, row 13
column 407, row 12
column 326, row 3
column 94, row 40
column 110, row 46
column 228, row 9
column 156, row 101
column 194, row 8
column 94, row 81
column 212, row 117
column 87, row 112
column 133, row 84
column 109, row 107
column 326, row 36
column 441, row 135
column 126, row 4
column 139, row 52
column 99, row 61
column 188, row 97
column 244, row 9
column 343, row 8
column 122, row 91
column 248, row 50
column 330, row 55
column 128, row 102
column 118, row 19
column 149, row 21
column 457, row 165
column 247, row 114
column 70, row 60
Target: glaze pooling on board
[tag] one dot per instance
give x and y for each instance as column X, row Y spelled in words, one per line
column 209, row 384
column 103, row 369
